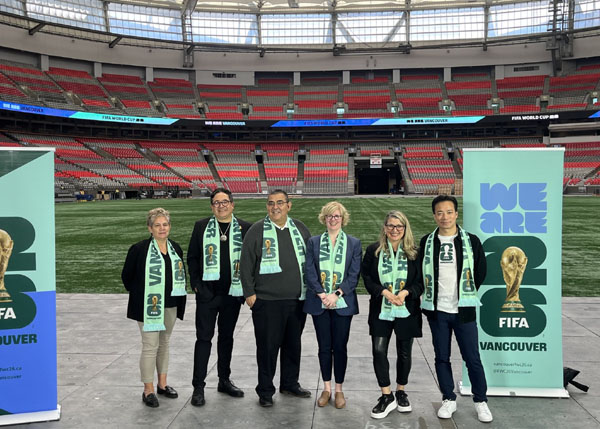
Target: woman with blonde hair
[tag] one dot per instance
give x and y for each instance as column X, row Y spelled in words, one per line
column 331, row 274
column 154, row 276
column 392, row 276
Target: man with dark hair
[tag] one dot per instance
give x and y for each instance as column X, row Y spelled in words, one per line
column 214, row 265
column 454, row 266
column 273, row 281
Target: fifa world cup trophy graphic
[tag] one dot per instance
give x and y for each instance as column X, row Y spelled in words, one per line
column 513, row 263
column 6, row 247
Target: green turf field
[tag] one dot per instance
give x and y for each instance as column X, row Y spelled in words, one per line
column 92, row 238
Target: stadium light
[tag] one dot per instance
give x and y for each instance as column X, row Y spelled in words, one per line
column 404, row 48
column 338, row 50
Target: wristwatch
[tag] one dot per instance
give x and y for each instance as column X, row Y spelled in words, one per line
column 338, row 293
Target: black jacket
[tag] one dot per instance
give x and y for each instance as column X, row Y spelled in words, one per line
column 133, row 277
column 465, row 314
column 414, row 286
column 206, row 290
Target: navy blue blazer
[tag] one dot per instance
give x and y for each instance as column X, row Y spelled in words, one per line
column 312, row 276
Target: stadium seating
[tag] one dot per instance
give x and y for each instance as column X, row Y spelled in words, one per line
column 367, row 96
column 326, row 170
column 38, row 85
column 520, row 94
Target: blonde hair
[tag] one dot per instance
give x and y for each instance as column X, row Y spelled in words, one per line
column 408, row 241
column 330, row 208
column 155, row 213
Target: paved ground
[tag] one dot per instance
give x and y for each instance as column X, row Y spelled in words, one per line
column 98, row 378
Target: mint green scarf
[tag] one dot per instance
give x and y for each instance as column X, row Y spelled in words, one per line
column 332, row 265
column 269, row 262
column 212, row 261
column 154, row 285
column 393, row 272
column 467, row 292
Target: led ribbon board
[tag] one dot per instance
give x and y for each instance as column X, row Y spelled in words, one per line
column 105, row 117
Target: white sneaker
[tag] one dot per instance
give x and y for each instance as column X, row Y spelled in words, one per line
column 483, row 412
column 447, row 409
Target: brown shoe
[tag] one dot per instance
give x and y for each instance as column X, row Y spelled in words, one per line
column 324, row 399
column 340, row 401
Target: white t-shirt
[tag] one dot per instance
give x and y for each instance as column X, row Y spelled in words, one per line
column 447, row 299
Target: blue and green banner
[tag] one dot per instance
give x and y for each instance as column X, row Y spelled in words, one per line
column 27, row 286
column 513, row 203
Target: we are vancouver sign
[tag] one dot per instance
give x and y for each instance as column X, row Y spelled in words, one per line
column 513, row 203
column 28, row 383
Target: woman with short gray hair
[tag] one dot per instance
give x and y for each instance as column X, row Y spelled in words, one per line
column 154, row 275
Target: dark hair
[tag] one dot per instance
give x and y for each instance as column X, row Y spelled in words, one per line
column 221, row 190
column 280, row 191
column 441, row 198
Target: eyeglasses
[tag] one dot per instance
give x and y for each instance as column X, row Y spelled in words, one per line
column 223, row 203
column 394, row 227
column 333, row 217
column 278, row 203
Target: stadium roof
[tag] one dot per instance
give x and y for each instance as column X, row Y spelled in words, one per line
column 312, row 6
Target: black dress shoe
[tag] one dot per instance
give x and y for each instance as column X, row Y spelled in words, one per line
column 150, row 400
column 265, row 401
column 296, row 391
column 198, row 397
column 227, row 386
column 168, row 391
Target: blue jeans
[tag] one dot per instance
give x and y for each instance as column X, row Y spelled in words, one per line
column 442, row 326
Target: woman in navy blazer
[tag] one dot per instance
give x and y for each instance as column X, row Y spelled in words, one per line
column 332, row 303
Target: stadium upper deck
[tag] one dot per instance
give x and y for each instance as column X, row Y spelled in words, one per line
column 368, row 95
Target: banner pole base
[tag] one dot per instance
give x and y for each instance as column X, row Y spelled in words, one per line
column 39, row 416
column 539, row 392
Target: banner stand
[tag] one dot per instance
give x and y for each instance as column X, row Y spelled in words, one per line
column 518, row 391
column 40, row 416
column 28, row 367
column 513, row 203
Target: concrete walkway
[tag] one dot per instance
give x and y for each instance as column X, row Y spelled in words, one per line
column 98, row 377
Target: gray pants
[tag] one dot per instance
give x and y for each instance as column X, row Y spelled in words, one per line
column 155, row 348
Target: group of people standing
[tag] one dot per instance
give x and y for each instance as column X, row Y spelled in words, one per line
column 283, row 274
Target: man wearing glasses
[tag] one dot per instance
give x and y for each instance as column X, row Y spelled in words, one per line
column 272, row 271
column 454, row 266
column 214, row 261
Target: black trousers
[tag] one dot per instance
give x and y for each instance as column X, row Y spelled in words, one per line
column 222, row 310
column 333, row 332
column 278, row 325
column 381, row 364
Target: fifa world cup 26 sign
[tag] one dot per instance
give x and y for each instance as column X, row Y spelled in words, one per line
column 513, row 202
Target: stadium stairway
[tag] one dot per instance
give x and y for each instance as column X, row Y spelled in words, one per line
column 457, row 170
column 300, row 179
column 409, row 188
column 215, row 174
column 262, row 175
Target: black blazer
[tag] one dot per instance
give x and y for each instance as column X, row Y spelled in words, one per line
column 312, row 305
column 206, row 290
column 414, row 284
column 133, row 277
column 465, row 314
